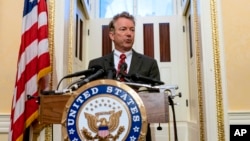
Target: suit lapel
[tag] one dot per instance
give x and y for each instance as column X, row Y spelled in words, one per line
column 135, row 63
column 109, row 61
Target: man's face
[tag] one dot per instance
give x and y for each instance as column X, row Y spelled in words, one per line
column 123, row 34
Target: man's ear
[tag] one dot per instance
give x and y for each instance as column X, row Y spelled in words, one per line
column 111, row 35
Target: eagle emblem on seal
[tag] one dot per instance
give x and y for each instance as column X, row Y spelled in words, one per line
column 103, row 127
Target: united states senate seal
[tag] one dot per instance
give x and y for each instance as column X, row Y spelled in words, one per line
column 104, row 110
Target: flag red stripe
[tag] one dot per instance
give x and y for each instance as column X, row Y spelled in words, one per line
column 43, row 33
column 42, row 64
column 42, row 6
column 28, row 73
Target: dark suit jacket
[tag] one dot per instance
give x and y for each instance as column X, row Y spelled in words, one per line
column 140, row 64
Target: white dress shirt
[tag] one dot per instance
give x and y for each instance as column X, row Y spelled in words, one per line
column 127, row 60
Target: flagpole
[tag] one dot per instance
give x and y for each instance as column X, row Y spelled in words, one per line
column 51, row 23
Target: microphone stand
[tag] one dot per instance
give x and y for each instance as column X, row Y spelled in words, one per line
column 162, row 88
column 57, row 87
column 174, row 118
column 73, row 83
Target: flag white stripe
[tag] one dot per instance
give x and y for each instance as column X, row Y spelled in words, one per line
column 30, row 88
column 41, row 47
column 29, row 19
column 10, row 134
column 20, row 108
column 42, row 19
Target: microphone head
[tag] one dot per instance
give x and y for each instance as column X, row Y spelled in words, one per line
column 122, row 71
column 124, row 66
column 87, row 72
column 110, row 73
column 143, row 79
column 95, row 68
column 135, row 77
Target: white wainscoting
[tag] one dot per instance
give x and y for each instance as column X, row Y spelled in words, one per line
column 167, row 132
column 4, row 123
column 187, row 130
column 184, row 129
column 239, row 117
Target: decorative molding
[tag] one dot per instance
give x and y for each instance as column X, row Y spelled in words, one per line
column 184, row 6
column 217, row 72
column 242, row 117
column 86, row 8
column 198, row 55
column 4, row 123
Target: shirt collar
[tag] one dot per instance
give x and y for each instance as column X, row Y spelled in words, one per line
column 118, row 53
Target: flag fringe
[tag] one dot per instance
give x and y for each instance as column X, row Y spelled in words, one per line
column 43, row 72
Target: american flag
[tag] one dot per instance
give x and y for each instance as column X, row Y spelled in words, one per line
column 33, row 67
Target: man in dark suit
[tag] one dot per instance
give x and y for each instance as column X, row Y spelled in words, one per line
column 122, row 33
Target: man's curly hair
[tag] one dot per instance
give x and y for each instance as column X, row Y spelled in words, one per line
column 120, row 15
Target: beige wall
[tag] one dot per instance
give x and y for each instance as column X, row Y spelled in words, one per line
column 10, row 30
column 10, row 33
column 236, row 26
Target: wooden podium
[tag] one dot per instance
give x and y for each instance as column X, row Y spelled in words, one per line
column 52, row 106
column 153, row 107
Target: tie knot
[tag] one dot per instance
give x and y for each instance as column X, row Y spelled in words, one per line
column 122, row 56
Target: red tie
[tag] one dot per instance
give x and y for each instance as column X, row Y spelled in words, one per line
column 122, row 60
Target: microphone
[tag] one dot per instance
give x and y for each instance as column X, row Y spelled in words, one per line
column 111, row 73
column 170, row 88
column 84, row 72
column 92, row 77
column 138, row 77
column 122, row 71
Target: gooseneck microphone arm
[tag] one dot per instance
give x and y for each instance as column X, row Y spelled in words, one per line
column 94, row 76
column 137, row 77
column 84, row 72
column 111, row 73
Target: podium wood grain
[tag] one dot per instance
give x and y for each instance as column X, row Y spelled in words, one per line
column 52, row 106
column 156, row 105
